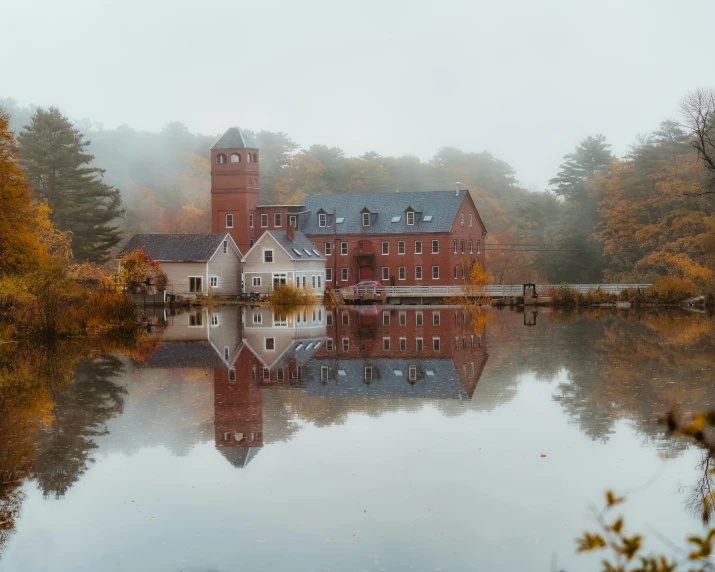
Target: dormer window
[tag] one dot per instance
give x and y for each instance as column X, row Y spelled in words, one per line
column 322, row 220
column 410, row 218
column 366, row 219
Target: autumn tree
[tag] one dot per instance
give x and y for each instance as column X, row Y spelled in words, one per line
column 58, row 167
column 698, row 108
column 139, row 267
column 20, row 247
column 276, row 151
column 301, row 177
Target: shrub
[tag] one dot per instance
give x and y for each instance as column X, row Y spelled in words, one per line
column 286, row 295
column 671, row 290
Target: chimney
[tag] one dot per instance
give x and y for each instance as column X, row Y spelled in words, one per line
column 457, row 185
column 291, row 232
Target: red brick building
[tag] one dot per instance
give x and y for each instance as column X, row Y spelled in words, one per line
column 413, row 238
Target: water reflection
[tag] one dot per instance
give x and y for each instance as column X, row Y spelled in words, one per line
column 339, row 360
column 446, row 411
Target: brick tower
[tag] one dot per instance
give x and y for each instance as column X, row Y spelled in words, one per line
column 235, row 186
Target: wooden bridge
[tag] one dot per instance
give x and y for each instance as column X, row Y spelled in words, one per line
column 434, row 293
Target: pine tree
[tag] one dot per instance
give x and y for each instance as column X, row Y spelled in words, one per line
column 591, row 156
column 58, row 167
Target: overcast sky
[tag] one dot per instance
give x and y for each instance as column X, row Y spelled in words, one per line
column 523, row 79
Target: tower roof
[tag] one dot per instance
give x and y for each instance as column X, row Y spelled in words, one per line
column 235, row 138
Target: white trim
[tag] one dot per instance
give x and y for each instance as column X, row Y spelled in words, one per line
column 263, row 257
column 228, row 237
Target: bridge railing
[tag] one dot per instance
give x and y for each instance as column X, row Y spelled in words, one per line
column 493, row 290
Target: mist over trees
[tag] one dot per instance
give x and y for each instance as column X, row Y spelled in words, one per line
column 603, row 218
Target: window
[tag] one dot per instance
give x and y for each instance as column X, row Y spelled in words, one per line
column 250, row 220
column 277, row 220
column 462, row 247
column 329, row 345
column 195, row 284
column 214, row 282
column 257, row 318
column 386, row 344
column 410, row 218
column 455, row 272
column 435, row 247
column 214, row 319
column 304, row 281
column 402, row 273
column 255, row 158
column 386, row 318
column 418, row 247
column 471, row 250
column 225, row 353
column 220, row 159
column 368, row 373
column 264, row 220
column 403, row 318
column 248, row 157
column 345, row 318
column 232, row 375
column 322, row 220
column 455, row 247
column 320, row 281
column 266, row 374
column 435, row 344
column 418, row 273
column 385, row 272
column 268, row 256
column 270, row 344
column 252, row 241
column 229, row 220
column 419, row 320
column 385, row 247
column 461, row 216
column 280, row 375
column 343, row 248
column 366, row 219
column 313, row 281
column 400, row 247
column 435, row 273
column 463, row 268
column 346, row 345
column 479, row 242
column 470, row 219
column 419, row 345
column 328, row 274
column 256, row 281
column 435, row 318
column 324, row 373
column 293, row 221
column 328, row 248
column 343, row 274
column 412, row 373
column 225, row 246
column 235, row 158
column 403, row 344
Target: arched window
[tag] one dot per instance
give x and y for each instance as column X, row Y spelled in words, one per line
column 235, row 158
column 220, row 159
column 255, row 158
column 248, row 157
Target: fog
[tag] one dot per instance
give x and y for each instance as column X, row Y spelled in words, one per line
column 525, row 80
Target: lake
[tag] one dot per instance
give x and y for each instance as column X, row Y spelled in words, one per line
column 371, row 438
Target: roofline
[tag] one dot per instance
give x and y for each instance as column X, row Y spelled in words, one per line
column 476, row 210
column 238, row 250
column 293, row 258
column 295, row 205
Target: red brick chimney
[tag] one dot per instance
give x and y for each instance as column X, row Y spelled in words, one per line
column 291, row 232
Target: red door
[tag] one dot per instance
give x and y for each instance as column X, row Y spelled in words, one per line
column 365, row 273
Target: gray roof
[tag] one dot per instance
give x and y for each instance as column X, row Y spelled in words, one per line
column 301, row 243
column 171, row 355
column 176, row 247
column 235, row 138
column 443, row 206
column 239, row 457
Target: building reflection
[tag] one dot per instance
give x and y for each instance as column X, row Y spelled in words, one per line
column 365, row 352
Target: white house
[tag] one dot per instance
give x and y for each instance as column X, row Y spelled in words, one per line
column 194, row 263
column 283, row 257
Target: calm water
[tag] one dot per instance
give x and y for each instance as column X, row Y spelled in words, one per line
column 360, row 440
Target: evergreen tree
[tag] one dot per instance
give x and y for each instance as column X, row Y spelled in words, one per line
column 592, row 155
column 58, row 167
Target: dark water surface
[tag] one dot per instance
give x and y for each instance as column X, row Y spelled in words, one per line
column 360, row 440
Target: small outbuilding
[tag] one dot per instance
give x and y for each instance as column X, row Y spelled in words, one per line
column 194, row 263
column 283, row 257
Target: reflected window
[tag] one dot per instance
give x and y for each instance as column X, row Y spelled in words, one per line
column 419, row 319
column 419, row 345
column 232, row 375
column 225, row 353
column 266, row 374
column 280, row 373
column 329, row 345
column 324, row 373
column 386, row 273
column 435, row 344
column 412, row 373
column 257, row 318
column 345, row 318
column 403, row 318
column 435, row 318
column 403, row 344
column 270, row 344
column 368, row 373
column 386, row 318
column 329, row 318
column 346, row 345
column 386, row 344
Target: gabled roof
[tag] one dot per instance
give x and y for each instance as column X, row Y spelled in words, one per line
column 239, row 457
column 442, row 206
column 235, row 138
column 178, row 247
column 301, row 243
